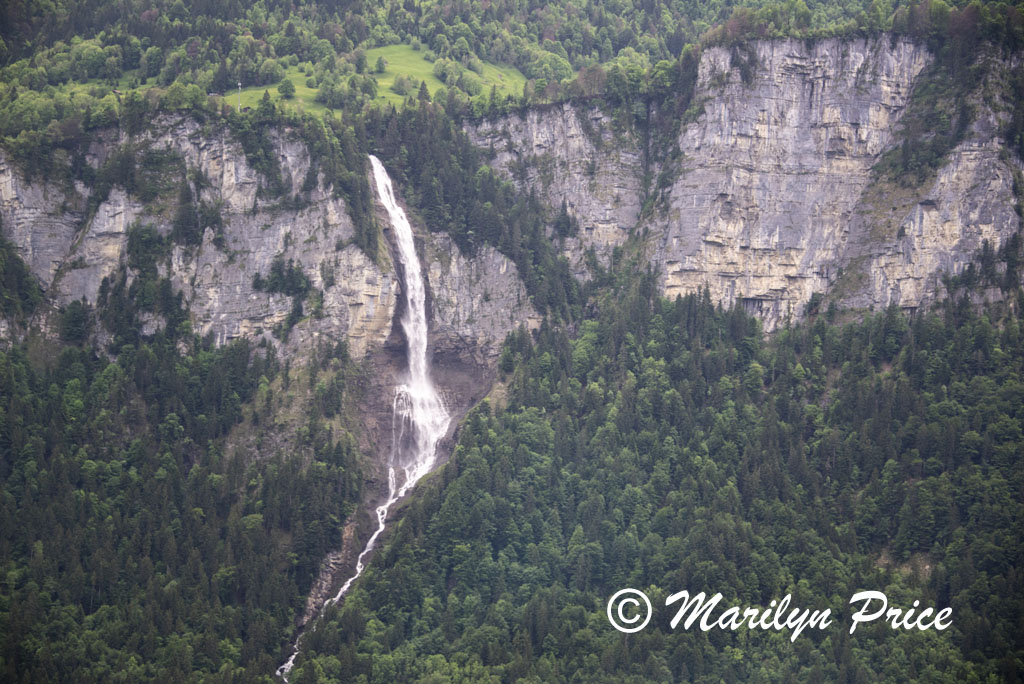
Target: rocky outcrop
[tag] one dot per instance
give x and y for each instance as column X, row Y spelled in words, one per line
column 476, row 302
column 774, row 167
column 899, row 250
column 358, row 296
column 98, row 251
column 576, row 155
column 39, row 218
column 774, row 197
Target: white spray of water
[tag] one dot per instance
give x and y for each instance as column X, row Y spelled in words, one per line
column 419, row 418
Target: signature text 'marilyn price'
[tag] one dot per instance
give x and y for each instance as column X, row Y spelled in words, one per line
column 873, row 605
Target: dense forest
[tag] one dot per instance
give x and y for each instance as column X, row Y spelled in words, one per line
column 669, row 447
column 158, row 525
column 665, row 445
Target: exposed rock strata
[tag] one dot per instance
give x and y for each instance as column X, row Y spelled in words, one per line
column 897, row 252
column 773, row 168
column 477, row 301
column 775, row 197
column 576, row 155
column 360, row 296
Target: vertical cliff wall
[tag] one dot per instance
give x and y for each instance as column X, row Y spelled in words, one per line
column 575, row 155
column 71, row 250
column 773, row 168
column 775, row 193
column 902, row 240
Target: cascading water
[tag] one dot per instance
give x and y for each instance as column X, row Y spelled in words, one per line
column 419, row 419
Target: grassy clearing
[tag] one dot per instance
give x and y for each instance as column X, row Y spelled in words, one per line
column 304, row 95
column 400, row 59
column 403, row 60
column 97, row 85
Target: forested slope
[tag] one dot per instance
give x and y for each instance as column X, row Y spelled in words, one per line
column 669, row 447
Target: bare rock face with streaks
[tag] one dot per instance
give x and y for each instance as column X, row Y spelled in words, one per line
column 774, row 196
column 774, row 166
column 71, row 252
column 477, row 301
column 40, row 218
column 898, row 251
column 580, row 156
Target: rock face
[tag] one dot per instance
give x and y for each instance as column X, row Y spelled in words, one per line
column 476, row 302
column 775, row 198
column 37, row 220
column 899, row 251
column 773, row 168
column 71, row 255
column 772, row 197
column 98, row 251
column 575, row 155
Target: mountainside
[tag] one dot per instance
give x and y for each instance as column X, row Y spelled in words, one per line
column 739, row 315
column 72, row 251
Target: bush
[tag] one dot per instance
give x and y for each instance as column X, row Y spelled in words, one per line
column 287, row 89
column 448, row 71
column 470, row 83
column 403, row 85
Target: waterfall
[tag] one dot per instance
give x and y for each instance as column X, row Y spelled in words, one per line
column 419, row 418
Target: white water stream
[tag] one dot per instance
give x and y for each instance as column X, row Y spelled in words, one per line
column 419, row 419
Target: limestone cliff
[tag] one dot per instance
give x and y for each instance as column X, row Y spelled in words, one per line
column 500, row 301
column 37, row 218
column 899, row 250
column 773, row 168
column 71, row 252
column 575, row 155
column 774, row 197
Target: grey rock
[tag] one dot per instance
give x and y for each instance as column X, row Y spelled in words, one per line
column 774, row 198
column 898, row 252
column 475, row 302
column 359, row 296
column 36, row 218
column 773, row 168
column 575, row 154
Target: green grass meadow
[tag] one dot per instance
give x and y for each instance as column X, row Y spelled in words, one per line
column 304, row 95
column 403, row 60
column 400, row 60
